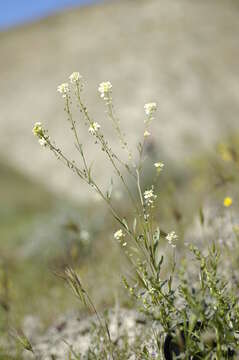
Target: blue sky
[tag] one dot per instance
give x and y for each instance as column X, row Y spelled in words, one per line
column 15, row 12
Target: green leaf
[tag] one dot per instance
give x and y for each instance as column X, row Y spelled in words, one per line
column 160, row 263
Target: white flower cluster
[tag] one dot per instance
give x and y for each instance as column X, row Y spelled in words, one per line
column 146, row 133
column 105, row 90
column 118, row 235
column 75, row 77
column 39, row 132
column 63, row 89
column 38, row 129
column 150, row 108
column 172, row 237
column 149, row 197
column 94, row 128
column 159, row 166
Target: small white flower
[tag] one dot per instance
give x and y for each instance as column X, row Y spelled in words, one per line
column 63, row 89
column 119, row 234
column 159, row 166
column 105, row 89
column 172, row 237
column 84, row 234
column 150, row 108
column 85, row 237
column 75, row 77
column 149, row 196
column 94, row 128
column 42, row 142
column 146, row 133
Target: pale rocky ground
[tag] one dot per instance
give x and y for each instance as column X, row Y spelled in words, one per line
column 73, row 332
column 182, row 54
column 76, row 331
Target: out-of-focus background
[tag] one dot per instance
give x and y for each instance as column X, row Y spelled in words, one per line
column 183, row 54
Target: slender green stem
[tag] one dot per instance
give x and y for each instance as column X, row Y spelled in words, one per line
column 105, row 148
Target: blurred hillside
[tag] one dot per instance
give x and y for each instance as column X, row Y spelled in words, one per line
column 182, row 54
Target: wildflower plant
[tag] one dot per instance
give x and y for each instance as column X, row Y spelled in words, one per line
column 192, row 322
